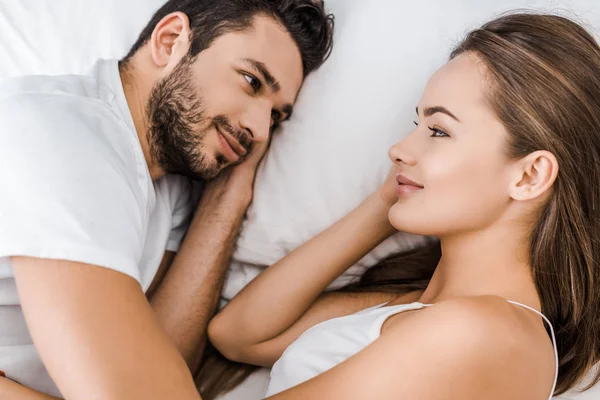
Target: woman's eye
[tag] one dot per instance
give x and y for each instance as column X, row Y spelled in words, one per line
column 416, row 123
column 254, row 83
column 438, row 133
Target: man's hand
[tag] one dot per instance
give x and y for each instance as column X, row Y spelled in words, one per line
column 252, row 162
column 259, row 153
column 245, row 172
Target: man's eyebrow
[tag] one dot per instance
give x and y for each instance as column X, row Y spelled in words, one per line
column 429, row 111
column 262, row 69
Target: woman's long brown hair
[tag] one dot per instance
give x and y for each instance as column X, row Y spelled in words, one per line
column 545, row 87
column 544, row 75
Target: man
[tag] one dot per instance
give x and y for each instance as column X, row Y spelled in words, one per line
column 96, row 196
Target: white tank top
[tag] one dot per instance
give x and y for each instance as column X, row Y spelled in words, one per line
column 329, row 343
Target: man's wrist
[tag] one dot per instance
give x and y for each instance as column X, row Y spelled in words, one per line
column 235, row 199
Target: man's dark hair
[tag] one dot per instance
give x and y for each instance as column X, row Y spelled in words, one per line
column 306, row 21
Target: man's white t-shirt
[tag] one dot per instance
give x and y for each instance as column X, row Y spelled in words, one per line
column 74, row 185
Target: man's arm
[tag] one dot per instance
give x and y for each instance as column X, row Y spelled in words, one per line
column 96, row 333
column 10, row 390
column 187, row 297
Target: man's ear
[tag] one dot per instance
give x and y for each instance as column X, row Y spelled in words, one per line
column 534, row 175
column 170, row 40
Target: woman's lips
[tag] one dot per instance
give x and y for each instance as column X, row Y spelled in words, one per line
column 406, row 186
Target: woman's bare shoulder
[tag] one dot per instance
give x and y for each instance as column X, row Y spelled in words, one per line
column 494, row 341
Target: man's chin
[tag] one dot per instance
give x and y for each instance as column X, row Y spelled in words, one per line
column 203, row 171
column 207, row 176
column 198, row 175
column 209, row 173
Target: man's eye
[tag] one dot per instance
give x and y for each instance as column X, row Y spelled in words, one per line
column 275, row 116
column 253, row 82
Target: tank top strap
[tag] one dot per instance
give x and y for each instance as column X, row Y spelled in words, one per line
column 553, row 342
column 384, row 311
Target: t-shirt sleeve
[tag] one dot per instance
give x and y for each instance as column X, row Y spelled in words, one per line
column 184, row 197
column 67, row 192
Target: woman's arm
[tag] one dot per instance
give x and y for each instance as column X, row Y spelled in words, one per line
column 247, row 329
column 329, row 305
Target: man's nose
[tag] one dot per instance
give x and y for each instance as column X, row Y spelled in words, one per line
column 258, row 121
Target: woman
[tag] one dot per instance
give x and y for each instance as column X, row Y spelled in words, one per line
column 503, row 166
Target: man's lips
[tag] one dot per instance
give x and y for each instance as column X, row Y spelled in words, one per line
column 233, row 143
column 226, row 149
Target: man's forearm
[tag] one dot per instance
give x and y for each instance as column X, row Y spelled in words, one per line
column 10, row 390
column 187, row 297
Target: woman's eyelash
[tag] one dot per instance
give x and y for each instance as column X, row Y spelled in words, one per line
column 436, row 132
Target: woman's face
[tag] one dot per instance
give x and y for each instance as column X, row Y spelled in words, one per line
column 456, row 157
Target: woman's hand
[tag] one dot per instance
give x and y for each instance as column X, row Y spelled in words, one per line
column 387, row 191
column 382, row 199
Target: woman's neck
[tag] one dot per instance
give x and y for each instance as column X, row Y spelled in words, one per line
column 494, row 261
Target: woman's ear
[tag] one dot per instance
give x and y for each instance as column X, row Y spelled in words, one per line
column 534, row 176
column 170, row 40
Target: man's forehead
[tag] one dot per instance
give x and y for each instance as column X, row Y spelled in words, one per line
column 269, row 45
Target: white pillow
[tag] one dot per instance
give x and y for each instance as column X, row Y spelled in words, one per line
column 57, row 37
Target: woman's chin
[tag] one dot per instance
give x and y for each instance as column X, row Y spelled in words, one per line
column 407, row 221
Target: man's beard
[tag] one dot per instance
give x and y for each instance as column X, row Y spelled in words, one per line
column 178, row 126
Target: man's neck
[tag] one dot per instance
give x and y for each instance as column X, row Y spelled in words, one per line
column 137, row 85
